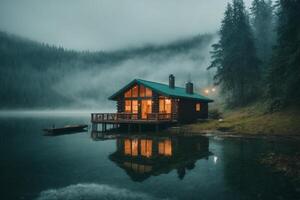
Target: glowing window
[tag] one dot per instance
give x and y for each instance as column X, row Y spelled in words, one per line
column 127, row 147
column 165, row 148
column 148, row 92
column 134, row 147
column 135, row 91
column 146, row 148
column 168, row 105
column 128, row 93
column 165, row 105
column 198, row 107
column 168, row 147
column 135, row 107
column 127, row 106
column 142, row 91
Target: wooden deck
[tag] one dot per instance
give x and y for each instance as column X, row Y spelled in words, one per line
column 130, row 118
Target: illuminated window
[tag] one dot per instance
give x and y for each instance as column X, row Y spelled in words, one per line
column 148, row 92
column 128, row 93
column 135, row 91
column 165, row 105
column 198, row 107
column 146, row 108
column 168, row 105
column 142, row 91
column 134, row 147
column 168, row 147
column 127, row 147
column 165, row 148
column 127, row 106
column 135, row 107
column 146, row 148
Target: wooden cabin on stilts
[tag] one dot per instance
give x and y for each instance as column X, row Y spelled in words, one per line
column 145, row 103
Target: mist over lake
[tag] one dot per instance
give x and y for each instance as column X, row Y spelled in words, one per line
column 56, row 78
column 149, row 99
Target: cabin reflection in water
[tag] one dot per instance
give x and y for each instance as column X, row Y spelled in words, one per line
column 142, row 156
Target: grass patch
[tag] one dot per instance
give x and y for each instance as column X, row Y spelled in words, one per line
column 254, row 120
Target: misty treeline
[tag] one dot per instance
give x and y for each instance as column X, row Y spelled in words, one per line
column 258, row 54
column 35, row 75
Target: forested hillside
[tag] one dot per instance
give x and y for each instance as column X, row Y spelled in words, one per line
column 34, row 75
column 258, row 55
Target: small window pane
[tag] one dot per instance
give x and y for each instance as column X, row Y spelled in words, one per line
column 142, row 91
column 135, row 106
column 128, row 106
column 135, row 91
column 161, row 105
column 128, row 93
column 168, row 105
column 198, row 107
column 148, row 92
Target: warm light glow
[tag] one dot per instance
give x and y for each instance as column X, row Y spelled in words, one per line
column 206, row 91
column 198, row 107
column 131, row 147
column 135, row 91
column 213, row 89
column 127, row 106
column 165, row 148
column 165, row 105
column 146, row 108
column 128, row 93
column 135, row 107
column 127, row 147
column 168, row 101
column 148, row 92
column 146, row 148
column 134, row 147
column 168, row 148
column 142, row 91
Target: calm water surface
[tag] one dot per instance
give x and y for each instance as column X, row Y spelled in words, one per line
column 144, row 166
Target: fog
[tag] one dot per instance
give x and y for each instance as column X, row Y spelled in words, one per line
column 110, row 24
column 93, row 86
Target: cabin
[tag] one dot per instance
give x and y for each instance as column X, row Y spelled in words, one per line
column 143, row 156
column 147, row 102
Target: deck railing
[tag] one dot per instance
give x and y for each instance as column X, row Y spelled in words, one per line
column 105, row 117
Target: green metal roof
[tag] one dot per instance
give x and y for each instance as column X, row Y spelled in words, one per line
column 163, row 89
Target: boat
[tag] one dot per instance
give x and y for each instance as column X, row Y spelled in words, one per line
column 66, row 129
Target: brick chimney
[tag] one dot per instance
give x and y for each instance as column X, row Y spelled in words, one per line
column 189, row 88
column 172, row 81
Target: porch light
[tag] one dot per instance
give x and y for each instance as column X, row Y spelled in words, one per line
column 206, row 91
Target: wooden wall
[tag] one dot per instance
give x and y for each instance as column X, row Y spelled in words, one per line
column 187, row 111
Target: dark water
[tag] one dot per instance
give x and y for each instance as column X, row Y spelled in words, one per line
column 144, row 166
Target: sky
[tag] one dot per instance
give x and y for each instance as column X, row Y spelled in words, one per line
column 108, row 25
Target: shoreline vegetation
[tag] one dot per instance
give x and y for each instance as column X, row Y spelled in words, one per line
column 251, row 121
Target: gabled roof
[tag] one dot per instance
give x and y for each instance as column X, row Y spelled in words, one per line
column 163, row 89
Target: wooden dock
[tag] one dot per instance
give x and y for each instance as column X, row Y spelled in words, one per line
column 115, row 120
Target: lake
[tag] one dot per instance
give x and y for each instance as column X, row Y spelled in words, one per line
column 134, row 166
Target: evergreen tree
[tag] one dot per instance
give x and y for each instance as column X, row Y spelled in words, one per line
column 263, row 26
column 234, row 57
column 284, row 72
